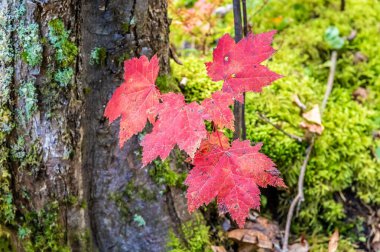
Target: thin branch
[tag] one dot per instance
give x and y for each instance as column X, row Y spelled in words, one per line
column 300, row 195
column 238, row 107
column 245, row 32
column 298, row 102
column 245, row 19
column 330, row 81
column 237, row 20
column 266, row 119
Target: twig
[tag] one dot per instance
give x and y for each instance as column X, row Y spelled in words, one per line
column 330, row 81
column 245, row 33
column 266, row 119
column 298, row 102
column 300, row 195
column 245, row 19
column 237, row 20
column 238, row 107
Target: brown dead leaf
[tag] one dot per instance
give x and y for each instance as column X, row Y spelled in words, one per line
column 218, row 249
column 313, row 116
column 360, row 57
column 299, row 247
column 312, row 127
column 352, row 35
column 334, row 241
column 267, row 227
column 254, row 237
column 360, row 94
column 314, row 121
column 376, row 134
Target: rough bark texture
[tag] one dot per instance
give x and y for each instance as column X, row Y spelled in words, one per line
column 125, row 29
column 64, row 157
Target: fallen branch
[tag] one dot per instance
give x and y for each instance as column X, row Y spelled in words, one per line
column 300, row 195
column 266, row 119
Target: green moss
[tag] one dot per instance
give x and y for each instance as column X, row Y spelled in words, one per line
column 28, row 156
column 6, row 244
column 342, row 159
column 139, row 220
column 28, row 98
column 7, row 209
column 125, row 27
column 61, row 69
column 43, row 231
column 30, row 44
column 196, row 234
column 198, row 86
column 64, row 76
column 123, row 57
column 66, row 51
column 163, row 174
column 98, row 56
column 130, row 192
column 166, row 83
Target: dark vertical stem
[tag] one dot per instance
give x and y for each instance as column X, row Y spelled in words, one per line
column 238, row 107
column 237, row 20
column 245, row 32
column 342, row 5
column 245, row 19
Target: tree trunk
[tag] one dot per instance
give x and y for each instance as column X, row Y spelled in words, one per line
column 64, row 180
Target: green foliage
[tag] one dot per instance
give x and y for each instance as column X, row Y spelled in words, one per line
column 98, row 56
column 196, row 234
column 30, row 44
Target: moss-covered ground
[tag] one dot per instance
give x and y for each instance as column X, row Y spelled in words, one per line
column 343, row 166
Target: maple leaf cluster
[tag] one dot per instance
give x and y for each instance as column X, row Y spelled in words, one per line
column 231, row 173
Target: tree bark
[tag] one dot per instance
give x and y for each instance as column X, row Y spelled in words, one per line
column 65, row 153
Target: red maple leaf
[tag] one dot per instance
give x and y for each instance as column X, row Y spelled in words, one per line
column 232, row 175
column 217, row 109
column 238, row 65
column 179, row 124
column 135, row 100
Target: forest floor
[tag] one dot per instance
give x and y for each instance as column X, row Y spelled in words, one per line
column 341, row 185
